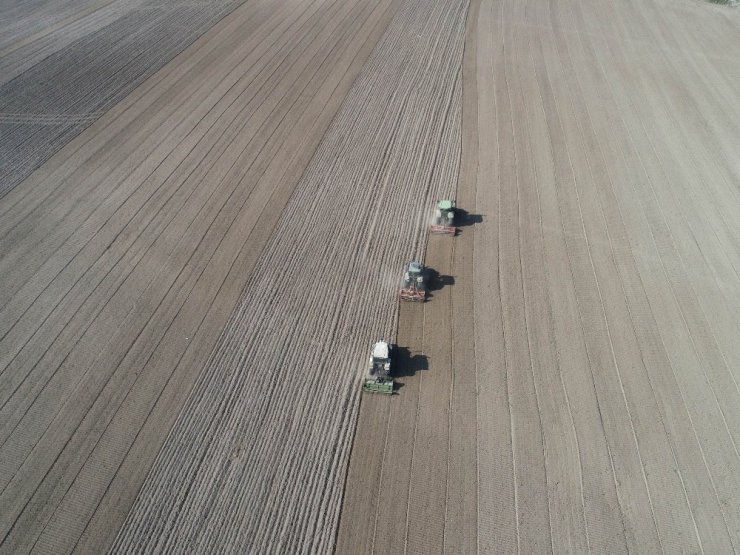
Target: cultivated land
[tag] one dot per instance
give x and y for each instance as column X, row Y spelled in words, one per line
column 581, row 384
column 291, row 354
column 64, row 63
column 190, row 286
column 125, row 254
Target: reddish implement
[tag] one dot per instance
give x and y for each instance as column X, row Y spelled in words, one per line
column 444, row 229
column 412, row 294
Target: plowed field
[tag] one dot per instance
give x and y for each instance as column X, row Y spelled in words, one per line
column 205, row 208
column 580, row 384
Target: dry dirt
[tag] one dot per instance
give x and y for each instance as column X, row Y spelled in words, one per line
column 580, row 391
column 64, row 63
column 190, row 285
column 125, row 254
column 257, row 458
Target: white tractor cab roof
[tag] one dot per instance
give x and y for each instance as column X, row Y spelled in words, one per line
column 415, row 267
column 381, row 350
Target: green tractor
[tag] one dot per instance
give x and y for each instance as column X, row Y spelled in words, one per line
column 444, row 218
column 378, row 377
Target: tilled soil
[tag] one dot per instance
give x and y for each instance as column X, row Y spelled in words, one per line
column 591, row 400
column 125, row 254
column 190, row 285
column 257, row 459
column 64, row 64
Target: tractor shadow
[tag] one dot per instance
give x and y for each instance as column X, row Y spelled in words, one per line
column 407, row 364
column 436, row 281
column 463, row 218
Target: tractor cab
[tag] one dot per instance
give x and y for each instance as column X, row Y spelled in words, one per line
column 444, row 218
column 413, row 287
column 378, row 376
